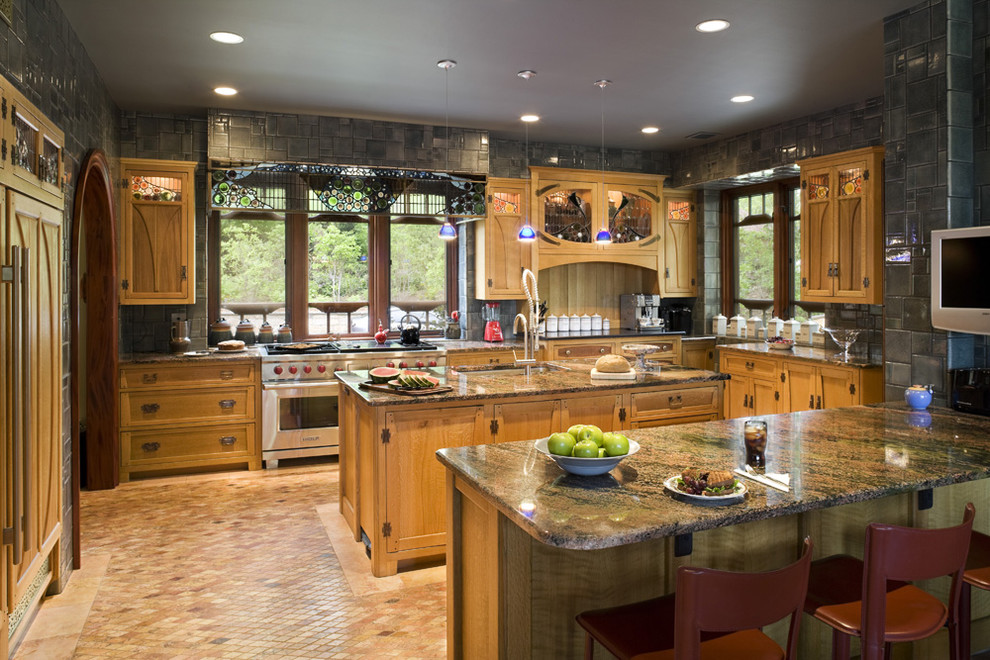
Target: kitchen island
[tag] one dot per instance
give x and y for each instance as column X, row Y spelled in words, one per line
column 392, row 487
column 530, row 546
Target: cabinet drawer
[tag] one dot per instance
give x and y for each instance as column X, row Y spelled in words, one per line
column 674, row 402
column 193, row 443
column 562, row 351
column 149, row 408
column 749, row 366
column 161, row 375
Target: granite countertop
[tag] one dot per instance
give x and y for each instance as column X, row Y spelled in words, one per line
column 809, row 353
column 575, row 377
column 833, row 457
column 212, row 355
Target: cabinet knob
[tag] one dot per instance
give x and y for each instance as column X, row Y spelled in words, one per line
column 150, row 446
column 602, row 350
column 150, row 408
column 227, row 404
column 567, row 352
column 227, row 440
column 149, row 379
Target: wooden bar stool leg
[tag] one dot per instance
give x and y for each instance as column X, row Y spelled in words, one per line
column 589, row 647
column 963, row 633
column 840, row 645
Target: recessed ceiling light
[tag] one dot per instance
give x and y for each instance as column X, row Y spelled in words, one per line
column 526, row 74
column 225, row 91
column 530, row 118
column 649, row 130
column 226, row 37
column 714, row 25
column 742, row 98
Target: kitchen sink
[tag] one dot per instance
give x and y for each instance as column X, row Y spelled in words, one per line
column 508, row 369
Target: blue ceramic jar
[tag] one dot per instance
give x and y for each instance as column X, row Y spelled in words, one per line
column 918, row 396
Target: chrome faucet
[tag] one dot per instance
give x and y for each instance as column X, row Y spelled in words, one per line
column 529, row 357
column 531, row 326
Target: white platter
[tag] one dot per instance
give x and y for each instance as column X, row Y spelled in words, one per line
column 585, row 466
column 704, row 500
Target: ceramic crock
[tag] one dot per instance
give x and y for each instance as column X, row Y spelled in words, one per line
column 918, row 396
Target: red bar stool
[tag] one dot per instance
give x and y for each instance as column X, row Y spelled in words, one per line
column 977, row 574
column 698, row 619
column 894, row 611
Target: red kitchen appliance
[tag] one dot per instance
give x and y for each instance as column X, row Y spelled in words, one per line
column 493, row 329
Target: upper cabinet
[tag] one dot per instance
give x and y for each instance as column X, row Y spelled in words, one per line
column 842, row 227
column 157, row 246
column 680, row 245
column 500, row 256
column 572, row 206
column 34, row 146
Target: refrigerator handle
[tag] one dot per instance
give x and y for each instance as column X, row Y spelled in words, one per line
column 15, row 276
column 27, row 397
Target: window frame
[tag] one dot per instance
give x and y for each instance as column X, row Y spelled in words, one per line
column 784, row 303
column 297, row 270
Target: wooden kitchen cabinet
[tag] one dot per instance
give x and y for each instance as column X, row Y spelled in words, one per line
column 606, row 411
column 499, row 255
column 753, row 386
column 176, row 417
column 525, row 420
column 572, row 206
column 680, row 245
column 157, row 232
column 813, row 387
column 482, row 357
column 842, row 227
column 698, row 353
column 674, row 406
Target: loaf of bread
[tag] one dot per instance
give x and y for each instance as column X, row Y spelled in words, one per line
column 231, row 345
column 612, row 364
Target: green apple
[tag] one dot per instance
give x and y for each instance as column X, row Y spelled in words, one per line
column 586, row 449
column 560, row 444
column 601, row 452
column 616, row 444
column 593, row 433
column 575, row 430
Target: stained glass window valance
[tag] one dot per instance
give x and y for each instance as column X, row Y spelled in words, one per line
column 345, row 189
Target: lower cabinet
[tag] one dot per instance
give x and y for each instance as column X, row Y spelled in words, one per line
column 761, row 385
column 474, row 358
column 177, row 418
column 392, row 487
column 698, row 353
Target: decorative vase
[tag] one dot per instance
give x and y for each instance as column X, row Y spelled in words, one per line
column 919, row 396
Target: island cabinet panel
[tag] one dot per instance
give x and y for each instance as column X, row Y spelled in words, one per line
column 474, row 358
column 753, row 387
column 673, row 406
column 525, row 420
column 604, row 411
column 414, row 479
column 698, row 354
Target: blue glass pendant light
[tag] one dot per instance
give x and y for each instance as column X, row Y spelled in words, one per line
column 526, row 233
column 603, row 235
column 447, row 231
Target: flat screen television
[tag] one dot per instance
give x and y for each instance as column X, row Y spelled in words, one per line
column 961, row 279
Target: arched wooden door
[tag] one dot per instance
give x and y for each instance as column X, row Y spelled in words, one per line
column 94, row 327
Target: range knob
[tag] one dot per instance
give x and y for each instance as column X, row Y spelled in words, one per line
column 277, row 370
column 433, row 363
column 292, row 370
column 321, row 368
column 338, row 368
column 403, row 365
column 419, row 363
column 307, row 369
column 390, row 364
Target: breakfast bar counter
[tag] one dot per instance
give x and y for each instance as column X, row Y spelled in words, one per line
column 530, row 546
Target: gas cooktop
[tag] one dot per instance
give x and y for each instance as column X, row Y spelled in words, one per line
column 366, row 345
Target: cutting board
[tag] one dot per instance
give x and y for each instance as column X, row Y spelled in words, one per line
column 368, row 385
column 628, row 375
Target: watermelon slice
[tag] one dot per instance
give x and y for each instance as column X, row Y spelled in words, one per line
column 382, row 375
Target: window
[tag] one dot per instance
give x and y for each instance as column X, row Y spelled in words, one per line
column 331, row 274
column 761, row 237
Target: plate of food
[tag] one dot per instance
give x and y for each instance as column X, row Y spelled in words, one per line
column 706, row 487
column 779, row 343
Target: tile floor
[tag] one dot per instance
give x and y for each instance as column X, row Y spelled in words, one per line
column 233, row 565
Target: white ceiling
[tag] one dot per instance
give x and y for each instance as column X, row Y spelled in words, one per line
column 377, row 59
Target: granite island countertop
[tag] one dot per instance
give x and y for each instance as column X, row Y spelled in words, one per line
column 833, row 457
column 481, row 382
column 199, row 357
column 806, row 353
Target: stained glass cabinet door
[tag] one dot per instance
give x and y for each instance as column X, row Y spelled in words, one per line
column 568, row 212
column 157, row 252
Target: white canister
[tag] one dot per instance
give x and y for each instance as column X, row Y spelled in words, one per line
column 596, row 322
column 719, row 325
column 551, row 322
column 818, row 339
column 791, row 329
column 737, row 326
column 585, row 322
column 606, row 325
column 754, row 327
column 564, row 323
column 775, row 328
column 807, row 332
column 575, row 323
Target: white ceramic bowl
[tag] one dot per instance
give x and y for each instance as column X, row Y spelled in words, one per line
column 585, row 466
column 785, row 345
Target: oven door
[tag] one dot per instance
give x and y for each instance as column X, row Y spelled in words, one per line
column 299, row 419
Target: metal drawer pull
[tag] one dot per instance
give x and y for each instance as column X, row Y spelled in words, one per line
column 226, row 375
column 745, row 401
column 675, row 401
column 149, row 379
column 819, row 403
column 811, row 401
column 151, row 446
column 227, row 440
column 750, row 365
column 150, row 408
column 227, row 404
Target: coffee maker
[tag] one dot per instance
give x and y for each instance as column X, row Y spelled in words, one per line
column 640, row 311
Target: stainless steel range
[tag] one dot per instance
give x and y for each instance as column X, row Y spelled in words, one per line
column 299, row 390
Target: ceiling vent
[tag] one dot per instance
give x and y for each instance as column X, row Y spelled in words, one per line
column 701, row 135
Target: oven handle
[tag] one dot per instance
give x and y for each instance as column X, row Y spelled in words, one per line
column 323, row 384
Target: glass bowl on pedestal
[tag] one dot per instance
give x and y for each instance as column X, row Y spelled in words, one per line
column 844, row 338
